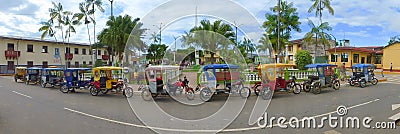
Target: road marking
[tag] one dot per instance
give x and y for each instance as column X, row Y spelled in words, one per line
column 396, row 116
column 22, row 94
column 331, row 132
column 184, row 130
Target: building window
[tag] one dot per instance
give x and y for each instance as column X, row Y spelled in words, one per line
column 369, row 59
column 10, row 65
column 90, row 52
column 290, row 57
column 83, row 51
column 76, row 50
column 90, row 62
column 10, row 46
column 67, row 50
column 29, row 48
column 290, row 48
column 77, row 64
column 98, row 52
column 356, row 58
column 44, row 49
column 30, row 63
column 45, row 64
column 345, row 57
column 378, row 59
column 56, row 51
column 334, row 57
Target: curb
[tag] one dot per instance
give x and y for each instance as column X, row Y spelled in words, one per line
column 382, row 80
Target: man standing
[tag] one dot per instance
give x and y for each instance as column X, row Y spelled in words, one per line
column 391, row 67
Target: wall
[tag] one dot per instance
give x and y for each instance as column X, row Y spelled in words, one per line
column 390, row 55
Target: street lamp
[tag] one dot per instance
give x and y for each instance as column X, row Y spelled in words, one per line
column 175, row 48
column 112, row 16
column 160, row 28
column 336, row 57
column 236, row 33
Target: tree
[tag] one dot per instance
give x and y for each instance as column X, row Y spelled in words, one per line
column 156, row 52
column 48, row 29
column 119, row 32
column 317, row 35
column 319, row 6
column 394, row 39
column 91, row 6
column 303, row 58
column 57, row 14
column 289, row 22
column 85, row 15
column 210, row 36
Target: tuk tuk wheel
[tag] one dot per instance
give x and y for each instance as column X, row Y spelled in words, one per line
column 205, row 94
column 245, row 92
column 257, row 89
column 128, row 92
column 190, row 95
column 104, row 91
column 64, row 89
column 43, row 84
column 146, row 95
column 374, row 81
column 307, row 87
column 266, row 93
column 15, row 79
column 351, row 82
column 316, row 88
column 296, row 89
column 94, row 91
column 363, row 83
column 27, row 82
column 336, row 85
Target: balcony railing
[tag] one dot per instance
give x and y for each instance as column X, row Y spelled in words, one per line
column 11, row 54
column 69, row 56
column 105, row 57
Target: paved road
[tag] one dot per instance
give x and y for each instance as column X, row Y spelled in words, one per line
column 32, row 109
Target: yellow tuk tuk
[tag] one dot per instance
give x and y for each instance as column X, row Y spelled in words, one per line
column 20, row 73
column 109, row 78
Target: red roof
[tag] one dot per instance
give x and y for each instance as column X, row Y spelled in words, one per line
column 356, row 49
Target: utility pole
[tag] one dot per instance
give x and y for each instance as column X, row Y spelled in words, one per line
column 175, row 49
column 279, row 29
column 112, row 16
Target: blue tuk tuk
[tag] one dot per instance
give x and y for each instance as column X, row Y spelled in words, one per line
column 75, row 78
column 52, row 76
column 363, row 73
column 33, row 75
column 325, row 78
column 225, row 78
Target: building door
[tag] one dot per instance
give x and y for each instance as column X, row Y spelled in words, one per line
column 30, row 63
column 76, row 64
column 45, row 64
column 10, row 65
column 362, row 60
column 68, row 64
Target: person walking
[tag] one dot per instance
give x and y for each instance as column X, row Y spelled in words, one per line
column 391, row 67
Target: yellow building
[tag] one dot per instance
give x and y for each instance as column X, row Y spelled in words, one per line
column 355, row 55
column 390, row 53
column 43, row 53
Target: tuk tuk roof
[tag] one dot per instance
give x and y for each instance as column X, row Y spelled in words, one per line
column 56, row 69
column 78, row 69
column 34, row 68
column 362, row 65
column 221, row 66
column 108, row 68
column 275, row 65
column 162, row 68
column 319, row 65
column 20, row 67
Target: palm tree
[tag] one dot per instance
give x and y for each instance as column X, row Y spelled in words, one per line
column 91, row 5
column 57, row 13
column 85, row 15
column 48, row 29
column 210, row 36
column 119, row 30
column 319, row 6
column 317, row 35
column 69, row 22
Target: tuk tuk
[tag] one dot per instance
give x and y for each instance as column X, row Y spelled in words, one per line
column 33, row 75
column 363, row 73
column 273, row 81
column 109, row 78
column 227, row 80
column 155, row 76
column 325, row 78
column 75, row 78
column 20, row 73
column 52, row 76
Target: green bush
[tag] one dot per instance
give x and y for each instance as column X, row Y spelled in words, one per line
column 98, row 63
column 303, row 58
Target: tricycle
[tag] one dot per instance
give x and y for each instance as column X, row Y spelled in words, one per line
column 325, row 78
column 109, row 78
column 74, row 78
column 222, row 78
column 155, row 82
column 33, row 75
column 20, row 73
column 52, row 76
column 363, row 74
column 273, row 81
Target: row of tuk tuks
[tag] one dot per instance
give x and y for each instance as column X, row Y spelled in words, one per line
column 97, row 80
column 227, row 79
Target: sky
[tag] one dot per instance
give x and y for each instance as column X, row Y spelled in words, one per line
column 364, row 23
